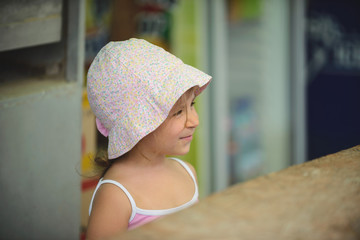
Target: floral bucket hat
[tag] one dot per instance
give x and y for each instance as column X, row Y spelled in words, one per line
column 132, row 86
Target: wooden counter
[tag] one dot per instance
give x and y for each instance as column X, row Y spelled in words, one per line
column 315, row 200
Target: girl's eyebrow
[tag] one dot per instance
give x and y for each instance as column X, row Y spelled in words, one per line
column 177, row 107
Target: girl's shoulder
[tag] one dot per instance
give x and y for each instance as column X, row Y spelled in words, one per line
column 184, row 164
column 108, row 193
column 119, row 172
column 108, row 205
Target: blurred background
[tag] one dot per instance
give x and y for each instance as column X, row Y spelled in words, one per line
column 286, row 77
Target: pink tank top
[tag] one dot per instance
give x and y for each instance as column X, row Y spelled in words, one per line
column 141, row 216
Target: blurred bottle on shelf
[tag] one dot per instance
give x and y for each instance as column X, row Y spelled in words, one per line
column 246, row 160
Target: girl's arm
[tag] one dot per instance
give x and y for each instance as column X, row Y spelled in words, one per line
column 110, row 213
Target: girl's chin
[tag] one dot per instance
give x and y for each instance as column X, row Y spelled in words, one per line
column 181, row 152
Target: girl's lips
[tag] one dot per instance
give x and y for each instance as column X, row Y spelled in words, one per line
column 188, row 138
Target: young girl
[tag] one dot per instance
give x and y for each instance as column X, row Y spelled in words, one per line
column 143, row 100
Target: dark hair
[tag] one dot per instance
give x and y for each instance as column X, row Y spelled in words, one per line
column 102, row 163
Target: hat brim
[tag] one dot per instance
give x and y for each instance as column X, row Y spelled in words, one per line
column 153, row 112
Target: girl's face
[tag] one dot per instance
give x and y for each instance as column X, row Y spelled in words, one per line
column 174, row 135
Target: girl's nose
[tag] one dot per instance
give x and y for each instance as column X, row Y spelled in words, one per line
column 192, row 118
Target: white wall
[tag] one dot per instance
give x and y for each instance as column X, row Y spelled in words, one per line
column 40, row 148
column 40, row 135
column 275, row 110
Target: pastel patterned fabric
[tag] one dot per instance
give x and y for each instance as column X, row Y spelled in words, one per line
column 132, row 86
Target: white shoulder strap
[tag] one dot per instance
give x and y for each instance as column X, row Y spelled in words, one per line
column 187, row 168
column 131, row 199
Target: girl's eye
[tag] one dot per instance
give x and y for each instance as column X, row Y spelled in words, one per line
column 178, row 113
column 192, row 103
